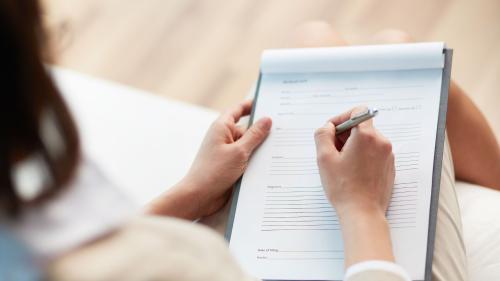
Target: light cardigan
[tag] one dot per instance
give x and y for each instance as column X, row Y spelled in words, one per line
column 88, row 233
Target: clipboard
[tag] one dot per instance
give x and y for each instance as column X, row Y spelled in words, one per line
column 436, row 172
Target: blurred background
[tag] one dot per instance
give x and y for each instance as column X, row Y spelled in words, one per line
column 208, row 52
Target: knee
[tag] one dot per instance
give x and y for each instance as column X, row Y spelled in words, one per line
column 316, row 34
column 392, row 36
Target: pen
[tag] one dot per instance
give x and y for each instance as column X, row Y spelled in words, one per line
column 355, row 120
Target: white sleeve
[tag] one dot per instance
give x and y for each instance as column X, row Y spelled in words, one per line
column 376, row 270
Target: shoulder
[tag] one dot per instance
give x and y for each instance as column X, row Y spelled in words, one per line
column 152, row 248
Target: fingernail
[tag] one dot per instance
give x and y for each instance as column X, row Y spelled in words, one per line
column 328, row 125
column 265, row 123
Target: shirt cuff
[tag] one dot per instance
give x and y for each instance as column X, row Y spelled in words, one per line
column 375, row 270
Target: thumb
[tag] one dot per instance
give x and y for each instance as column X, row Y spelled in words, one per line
column 256, row 134
column 324, row 138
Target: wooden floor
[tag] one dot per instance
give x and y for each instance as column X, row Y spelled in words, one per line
column 207, row 52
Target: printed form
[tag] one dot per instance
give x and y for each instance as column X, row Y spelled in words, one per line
column 284, row 227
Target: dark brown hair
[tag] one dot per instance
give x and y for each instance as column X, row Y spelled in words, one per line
column 26, row 94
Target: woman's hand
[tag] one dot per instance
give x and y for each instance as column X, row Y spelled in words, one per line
column 223, row 157
column 357, row 167
column 221, row 160
column 357, row 173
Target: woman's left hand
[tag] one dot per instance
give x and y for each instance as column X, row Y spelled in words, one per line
column 223, row 157
column 221, row 160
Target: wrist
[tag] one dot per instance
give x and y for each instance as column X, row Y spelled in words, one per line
column 179, row 201
column 187, row 193
column 358, row 216
column 366, row 235
column 360, row 211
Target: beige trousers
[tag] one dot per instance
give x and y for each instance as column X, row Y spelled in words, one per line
column 450, row 260
column 156, row 248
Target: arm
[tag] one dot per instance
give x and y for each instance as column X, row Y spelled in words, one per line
column 221, row 160
column 176, row 202
column 360, row 193
column 359, row 246
column 357, row 172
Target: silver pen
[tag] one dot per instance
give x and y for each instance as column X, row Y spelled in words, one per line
column 355, row 120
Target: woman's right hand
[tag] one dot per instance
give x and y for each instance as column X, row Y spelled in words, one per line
column 357, row 173
column 357, row 167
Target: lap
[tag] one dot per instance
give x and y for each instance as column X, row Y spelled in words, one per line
column 450, row 260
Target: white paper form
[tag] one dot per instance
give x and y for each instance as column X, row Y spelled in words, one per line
column 284, row 227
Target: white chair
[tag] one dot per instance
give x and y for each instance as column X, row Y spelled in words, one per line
column 145, row 144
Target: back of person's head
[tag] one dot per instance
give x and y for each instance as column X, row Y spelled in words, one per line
column 39, row 142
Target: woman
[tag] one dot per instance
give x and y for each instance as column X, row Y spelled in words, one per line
column 77, row 225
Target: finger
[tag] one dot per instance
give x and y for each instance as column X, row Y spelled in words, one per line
column 380, row 135
column 367, row 124
column 238, row 132
column 341, row 139
column 256, row 134
column 242, row 109
column 325, row 141
column 339, row 119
